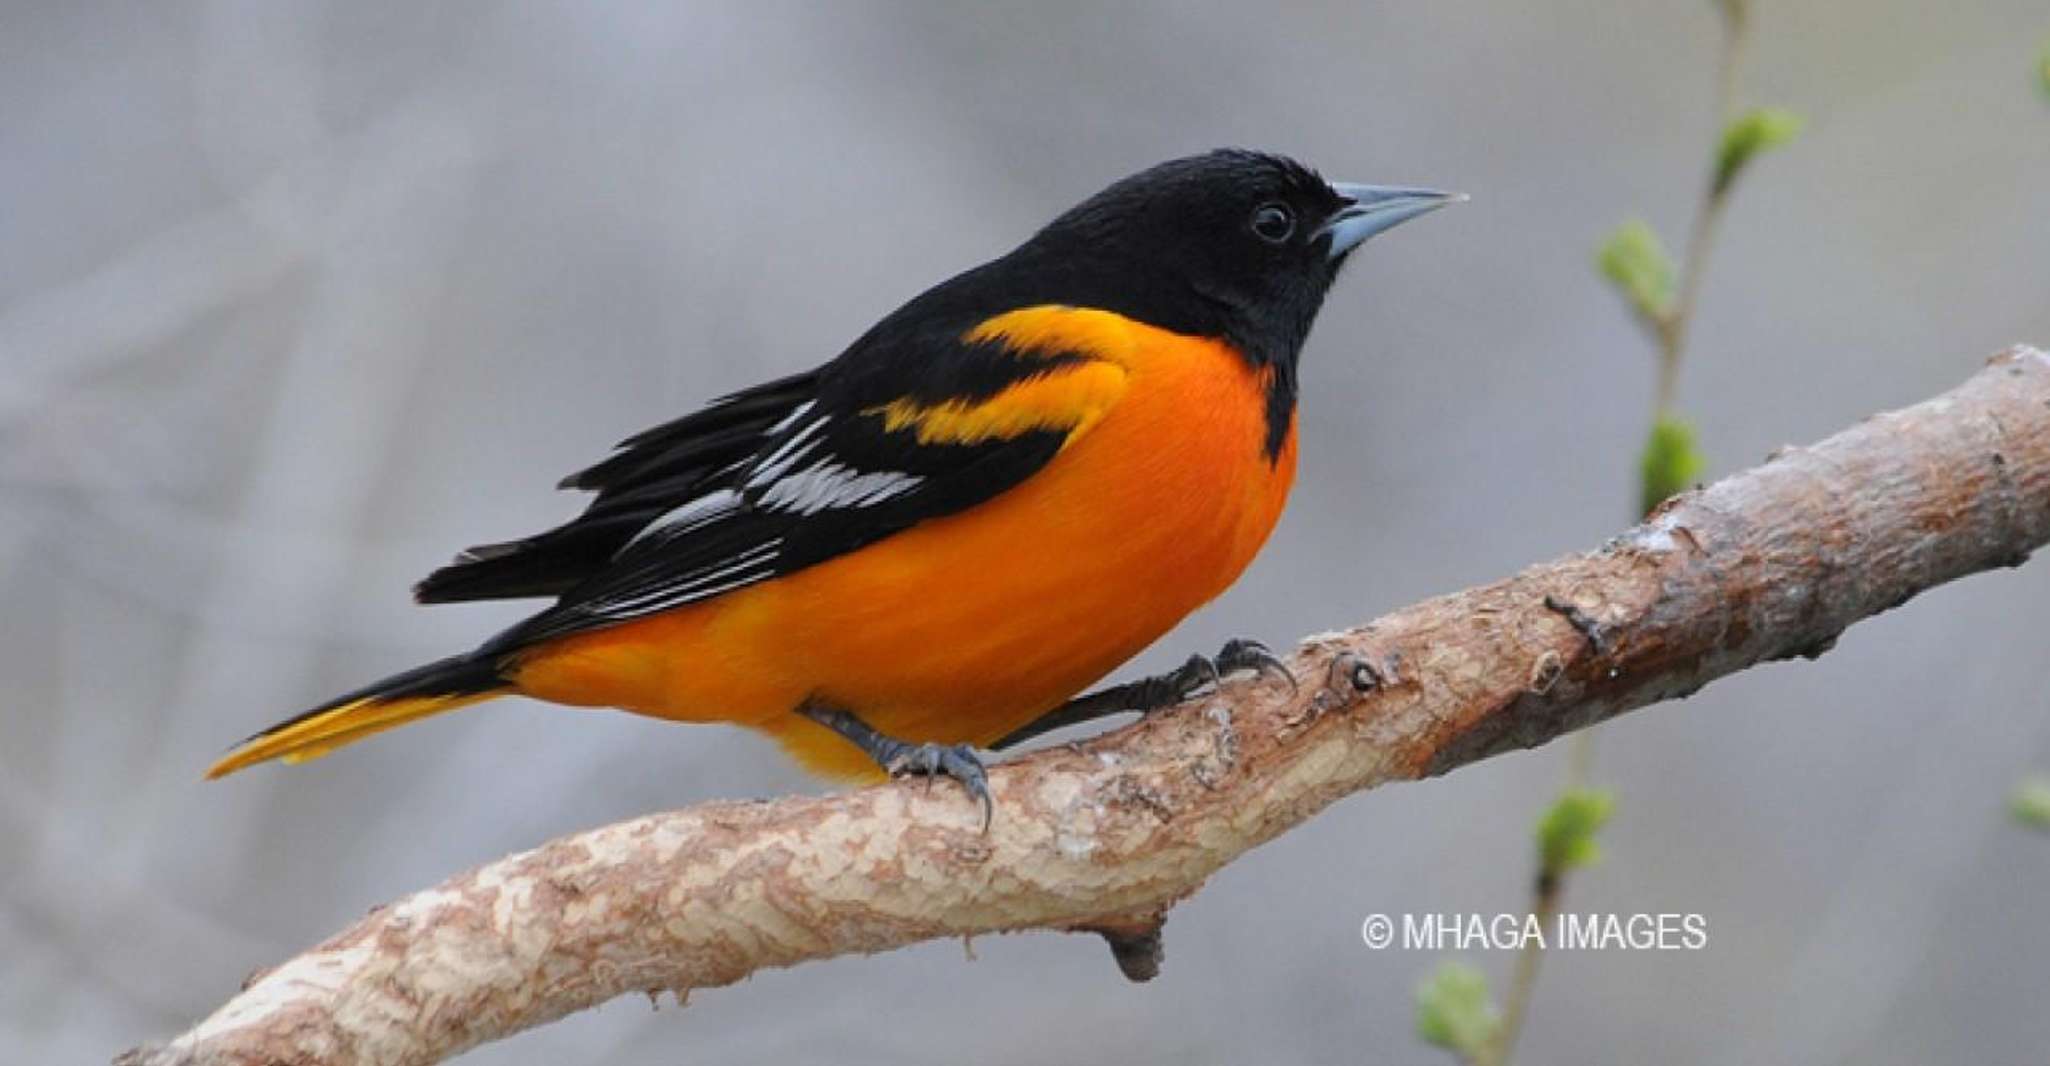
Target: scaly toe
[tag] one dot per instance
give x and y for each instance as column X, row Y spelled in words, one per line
column 958, row 761
column 1242, row 654
column 1194, row 676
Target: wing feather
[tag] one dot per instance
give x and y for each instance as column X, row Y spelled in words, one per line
column 651, row 474
column 839, row 473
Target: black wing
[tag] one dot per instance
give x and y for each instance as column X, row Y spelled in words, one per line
column 784, row 477
column 650, row 472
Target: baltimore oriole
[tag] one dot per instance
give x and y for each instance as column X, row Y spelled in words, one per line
column 994, row 497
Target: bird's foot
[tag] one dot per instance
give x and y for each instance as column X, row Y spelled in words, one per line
column 1149, row 694
column 904, row 759
column 957, row 761
column 1201, row 673
column 1240, row 653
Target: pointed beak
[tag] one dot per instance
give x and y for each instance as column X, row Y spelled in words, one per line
column 1373, row 208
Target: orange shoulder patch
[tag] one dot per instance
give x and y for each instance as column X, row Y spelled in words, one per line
column 1070, row 396
column 1052, row 329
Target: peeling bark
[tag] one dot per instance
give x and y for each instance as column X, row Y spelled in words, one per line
column 1104, row 836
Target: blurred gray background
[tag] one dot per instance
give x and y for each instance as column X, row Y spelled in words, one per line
column 296, row 298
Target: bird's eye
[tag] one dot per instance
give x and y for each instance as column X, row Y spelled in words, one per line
column 1273, row 223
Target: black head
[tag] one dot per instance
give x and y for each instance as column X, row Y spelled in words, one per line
column 1231, row 243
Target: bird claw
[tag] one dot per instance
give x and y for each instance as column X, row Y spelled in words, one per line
column 1242, row 654
column 958, row 761
column 1203, row 673
column 1194, row 677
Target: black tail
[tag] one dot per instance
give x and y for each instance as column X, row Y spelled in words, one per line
column 444, row 685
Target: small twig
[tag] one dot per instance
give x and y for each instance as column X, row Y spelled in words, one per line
column 1523, row 979
column 1671, row 330
column 1708, row 214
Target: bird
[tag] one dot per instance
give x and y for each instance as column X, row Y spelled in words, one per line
column 928, row 545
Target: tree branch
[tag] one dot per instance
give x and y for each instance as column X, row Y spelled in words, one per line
column 1105, row 835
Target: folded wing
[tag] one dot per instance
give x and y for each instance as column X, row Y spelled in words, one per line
column 786, row 476
column 643, row 479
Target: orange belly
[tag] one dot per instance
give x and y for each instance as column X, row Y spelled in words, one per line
column 966, row 627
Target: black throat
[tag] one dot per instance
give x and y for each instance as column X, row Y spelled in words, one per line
column 1271, row 339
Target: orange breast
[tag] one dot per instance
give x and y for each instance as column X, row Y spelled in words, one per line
column 965, row 627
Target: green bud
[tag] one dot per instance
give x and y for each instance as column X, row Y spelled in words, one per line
column 1733, row 12
column 1760, row 129
column 2043, row 68
column 1672, row 462
column 2030, row 803
column 1566, row 832
column 1635, row 261
column 1455, row 1012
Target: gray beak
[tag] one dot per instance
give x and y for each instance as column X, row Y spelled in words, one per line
column 1373, row 208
